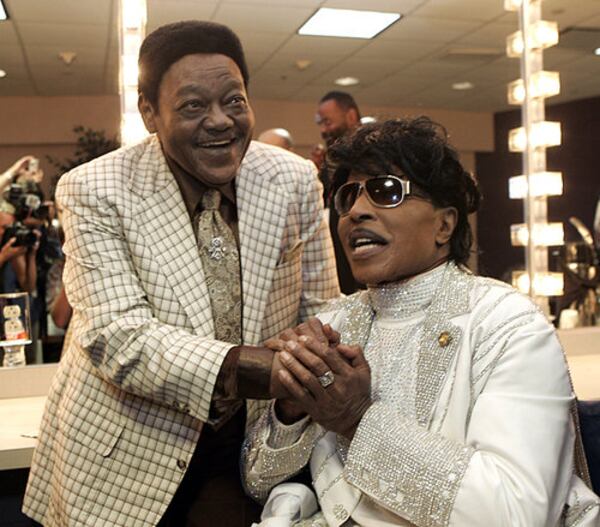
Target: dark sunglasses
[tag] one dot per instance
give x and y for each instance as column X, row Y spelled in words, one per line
column 383, row 191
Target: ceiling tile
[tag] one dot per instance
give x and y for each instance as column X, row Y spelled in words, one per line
column 367, row 71
column 10, row 87
column 11, row 55
column 490, row 35
column 429, row 28
column 48, row 55
column 403, row 50
column 463, row 10
column 64, row 35
column 161, row 12
column 391, row 6
column 258, row 18
column 60, row 11
column 8, row 35
column 302, row 46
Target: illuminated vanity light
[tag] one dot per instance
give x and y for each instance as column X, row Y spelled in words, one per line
column 597, row 51
column 546, row 235
column 543, row 134
column 543, row 84
column 2, row 74
column 3, row 13
column 512, row 5
column 542, row 184
column 351, row 23
column 133, row 14
column 132, row 25
column 543, row 35
column 132, row 128
column 544, row 284
column 130, row 70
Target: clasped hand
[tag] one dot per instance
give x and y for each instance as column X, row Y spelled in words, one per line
column 307, row 353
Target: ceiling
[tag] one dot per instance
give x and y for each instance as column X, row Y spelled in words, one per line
column 413, row 63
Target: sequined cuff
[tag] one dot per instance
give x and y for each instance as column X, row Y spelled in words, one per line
column 413, row 472
column 264, row 467
column 282, row 435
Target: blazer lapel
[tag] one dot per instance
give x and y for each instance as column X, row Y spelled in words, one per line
column 262, row 212
column 166, row 227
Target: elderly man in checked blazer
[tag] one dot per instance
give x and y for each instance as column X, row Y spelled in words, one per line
column 145, row 418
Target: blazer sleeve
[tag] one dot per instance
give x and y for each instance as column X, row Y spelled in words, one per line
column 319, row 274
column 114, row 322
column 515, row 463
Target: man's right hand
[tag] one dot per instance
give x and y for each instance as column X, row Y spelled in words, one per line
column 311, row 328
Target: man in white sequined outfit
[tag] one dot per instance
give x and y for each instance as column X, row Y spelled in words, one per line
column 459, row 412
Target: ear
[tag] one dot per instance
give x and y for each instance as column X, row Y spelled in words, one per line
column 148, row 113
column 448, row 217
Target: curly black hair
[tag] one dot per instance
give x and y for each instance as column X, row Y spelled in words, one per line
column 419, row 149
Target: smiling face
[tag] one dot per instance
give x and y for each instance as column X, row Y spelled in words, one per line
column 388, row 245
column 203, row 118
column 335, row 122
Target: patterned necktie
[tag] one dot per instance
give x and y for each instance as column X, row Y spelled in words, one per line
column 221, row 264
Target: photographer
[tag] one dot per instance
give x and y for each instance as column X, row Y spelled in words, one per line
column 26, row 168
column 18, row 251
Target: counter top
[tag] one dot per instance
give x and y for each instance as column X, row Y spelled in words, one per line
column 20, row 420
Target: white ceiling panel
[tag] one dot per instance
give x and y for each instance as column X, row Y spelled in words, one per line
column 48, row 55
column 11, row 55
column 279, row 3
column 60, row 11
column 432, row 29
column 34, row 33
column 403, row 50
column 257, row 18
column 12, row 86
column 392, row 6
column 8, row 34
column 490, row 35
column 480, row 10
column 367, row 71
column 162, row 12
column 302, row 46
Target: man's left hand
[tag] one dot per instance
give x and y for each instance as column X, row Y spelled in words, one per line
column 338, row 407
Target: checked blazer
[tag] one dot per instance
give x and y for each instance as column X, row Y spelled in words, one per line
column 133, row 388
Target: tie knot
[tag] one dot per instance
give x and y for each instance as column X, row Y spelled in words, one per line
column 211, row 199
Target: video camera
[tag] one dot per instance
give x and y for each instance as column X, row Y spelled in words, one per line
column 26, row 197
column 25, row 237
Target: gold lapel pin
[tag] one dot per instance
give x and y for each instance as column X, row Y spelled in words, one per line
column 444, row 339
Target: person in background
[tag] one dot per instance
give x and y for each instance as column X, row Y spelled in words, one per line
column 26, row 167
column 184, row 252
column 277, row 137
column 337, row 116
column 448, row 401
column 317, row 156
